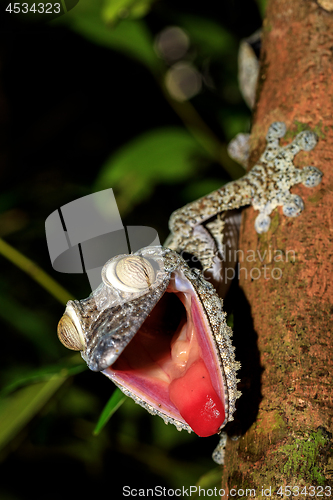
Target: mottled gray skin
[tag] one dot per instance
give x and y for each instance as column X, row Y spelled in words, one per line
column 109, row 318
column 220, row 332
column 265, row 187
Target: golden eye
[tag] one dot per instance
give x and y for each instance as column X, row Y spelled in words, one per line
column 136, row 272
column 68, row 334
column 129, row 274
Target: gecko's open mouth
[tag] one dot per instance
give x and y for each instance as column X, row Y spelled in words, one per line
column 157, row 329
column 172, row 361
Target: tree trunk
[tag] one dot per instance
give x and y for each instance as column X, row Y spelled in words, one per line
column 285, row 413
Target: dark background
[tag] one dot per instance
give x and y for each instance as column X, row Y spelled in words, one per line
column 66, row 105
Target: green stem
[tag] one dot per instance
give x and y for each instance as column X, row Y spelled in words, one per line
column 34, row 271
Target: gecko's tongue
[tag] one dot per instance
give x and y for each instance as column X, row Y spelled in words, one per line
column 192, row 392
column 197, row 401
column 171, row 363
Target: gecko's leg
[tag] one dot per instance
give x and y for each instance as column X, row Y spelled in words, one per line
column 266, row 186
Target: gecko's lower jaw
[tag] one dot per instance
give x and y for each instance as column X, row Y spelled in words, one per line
column 172, row 362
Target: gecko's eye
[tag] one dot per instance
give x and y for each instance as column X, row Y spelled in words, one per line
column 129, row 274
column 69, row 335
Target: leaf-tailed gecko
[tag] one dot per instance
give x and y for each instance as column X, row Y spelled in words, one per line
column 156, row 324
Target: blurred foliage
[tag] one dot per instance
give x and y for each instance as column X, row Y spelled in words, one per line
column 128, row 35
column 113, row 10
column 165, row 155
column 95, row 112
column 19, row 404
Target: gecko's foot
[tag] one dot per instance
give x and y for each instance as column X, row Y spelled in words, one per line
column 219, row 452
column 239, row 149
column 262, row 223
column 275, row 174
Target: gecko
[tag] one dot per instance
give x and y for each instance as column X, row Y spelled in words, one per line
column 156, row 325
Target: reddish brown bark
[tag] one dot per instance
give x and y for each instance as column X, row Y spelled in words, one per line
column 288, row 424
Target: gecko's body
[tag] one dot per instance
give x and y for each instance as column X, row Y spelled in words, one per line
column 156, row 326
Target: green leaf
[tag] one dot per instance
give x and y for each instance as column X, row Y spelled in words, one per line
column 130, row 37
column 70, row 366
column 110, row 408
column 166, row 155
column 115, row 9
column 18, row 405
column 19, row 408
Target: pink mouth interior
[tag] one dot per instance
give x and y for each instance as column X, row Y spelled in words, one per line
column 171, row 363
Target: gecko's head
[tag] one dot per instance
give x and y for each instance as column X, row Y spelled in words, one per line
column 157, row 329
